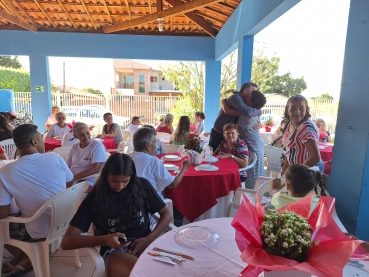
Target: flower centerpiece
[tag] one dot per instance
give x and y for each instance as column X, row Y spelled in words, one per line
column 292, row 238
column 193, row 148
column 268, row 124
column 286, row 234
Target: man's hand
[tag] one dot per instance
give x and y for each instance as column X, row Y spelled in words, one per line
column 185, row 164
column 112, row 240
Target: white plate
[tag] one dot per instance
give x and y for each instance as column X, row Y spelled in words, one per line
column 171, row 167
column 58, row 137
column 172, row 158
column 195, row 236
column 353, row 271
column 206, row 167
column 210, row 159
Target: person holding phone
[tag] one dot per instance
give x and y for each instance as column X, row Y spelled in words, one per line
column 119, row 206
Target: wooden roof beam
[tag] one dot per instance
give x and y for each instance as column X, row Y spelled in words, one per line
column 159, row 5
column 89, row 15
column 25, row 11
column 107, row 11
column 17, row 21
column 69, row 16
column 182, row 8
column 13, row 10
column 129, row 10
column 200, row 21
column 45, row 13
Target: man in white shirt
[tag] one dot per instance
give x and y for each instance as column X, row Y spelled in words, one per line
column 52, row 119
column 32, row 180
column 135, row 125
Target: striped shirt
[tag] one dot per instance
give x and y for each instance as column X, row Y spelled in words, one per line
column 239, row 149
column 294, row 141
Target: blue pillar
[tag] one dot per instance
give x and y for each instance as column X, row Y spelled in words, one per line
column 350, row 167
column 212, row 92
column 244, row 65
column 41, row 100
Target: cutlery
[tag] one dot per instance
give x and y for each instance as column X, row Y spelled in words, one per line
column 174, row 253
column 177, row 261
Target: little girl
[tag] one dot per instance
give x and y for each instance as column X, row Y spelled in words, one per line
column 200, row 117
column 300, row 181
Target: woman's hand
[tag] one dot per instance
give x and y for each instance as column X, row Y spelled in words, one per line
column 139, row 245
column 257, row 126
column 112, row 240
column 224, row 156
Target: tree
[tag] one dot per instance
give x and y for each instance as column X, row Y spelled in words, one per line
column 187, row 77
column 325, row 96
column 15, row 79
column 92, row 90
column 9, row 62
column 265, row 74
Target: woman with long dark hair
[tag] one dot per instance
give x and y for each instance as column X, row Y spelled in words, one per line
column 5, row 132
column 118, row 206
column 183, row 129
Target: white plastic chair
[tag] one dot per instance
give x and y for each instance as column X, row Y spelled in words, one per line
column 249, row 193
column 9, row 148
column 170, row 148
column 273, row 155
column 264, row 188
column 63, row 151
column 252, row 161
column 122, row 145
column 62, row 207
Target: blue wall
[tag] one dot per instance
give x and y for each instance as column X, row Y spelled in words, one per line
column 244, row 64
column 350, row 167
column 212, row 92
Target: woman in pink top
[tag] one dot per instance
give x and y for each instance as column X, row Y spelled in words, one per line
column 166, row 126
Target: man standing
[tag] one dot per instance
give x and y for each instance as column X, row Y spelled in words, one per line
column 236, row 102
column 32, row 180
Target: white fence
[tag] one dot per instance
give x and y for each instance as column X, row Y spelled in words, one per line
column 147, row 106
column 151, row 106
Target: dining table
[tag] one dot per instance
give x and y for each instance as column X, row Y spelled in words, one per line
column 204, row 194
column 223, row 259
column 326, row 151
column 51, row 143
column 218, row 255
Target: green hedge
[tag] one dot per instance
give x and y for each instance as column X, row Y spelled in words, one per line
column 15, row 79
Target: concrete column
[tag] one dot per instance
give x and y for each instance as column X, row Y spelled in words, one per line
column 350, row 167
column 41, row 100
column 212, row 92
column 244, row 65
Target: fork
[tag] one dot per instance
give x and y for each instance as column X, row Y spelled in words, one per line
column 177, row 261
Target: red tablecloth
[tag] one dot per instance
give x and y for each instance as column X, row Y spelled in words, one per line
column 326, row 153
column 199, row 190
column 51, row 144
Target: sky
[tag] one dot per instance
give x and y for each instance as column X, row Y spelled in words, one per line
column 309, row 40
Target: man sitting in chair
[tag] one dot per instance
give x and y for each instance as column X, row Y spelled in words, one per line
column 32, row 180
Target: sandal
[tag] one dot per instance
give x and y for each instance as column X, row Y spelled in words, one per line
column 22, row 272
column 9, row 265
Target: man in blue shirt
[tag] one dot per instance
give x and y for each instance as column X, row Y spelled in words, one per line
column 235, row 101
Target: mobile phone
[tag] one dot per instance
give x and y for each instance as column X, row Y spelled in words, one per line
column 124, row 241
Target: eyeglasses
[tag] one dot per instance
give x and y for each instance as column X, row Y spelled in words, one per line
column 108, row 118
column 61, row 118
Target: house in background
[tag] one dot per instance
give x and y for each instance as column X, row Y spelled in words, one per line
column 135, row 78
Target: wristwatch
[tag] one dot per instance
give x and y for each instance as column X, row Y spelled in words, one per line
column 232, row 157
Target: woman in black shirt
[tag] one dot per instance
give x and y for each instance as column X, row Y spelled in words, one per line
column 118, row 206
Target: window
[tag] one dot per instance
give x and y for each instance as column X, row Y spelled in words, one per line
column 128, row 82
column 141, row 83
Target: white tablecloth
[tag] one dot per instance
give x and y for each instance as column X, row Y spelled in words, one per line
column 222, row 260
column 267, row 136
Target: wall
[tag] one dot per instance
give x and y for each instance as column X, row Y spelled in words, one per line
column 350, row 166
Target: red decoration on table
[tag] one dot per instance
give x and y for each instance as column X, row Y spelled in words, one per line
column 328, row 258
column 193, row 143
column 268, row 128
column 70, row 125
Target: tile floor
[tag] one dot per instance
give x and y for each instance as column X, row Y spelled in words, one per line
column 62, row 264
